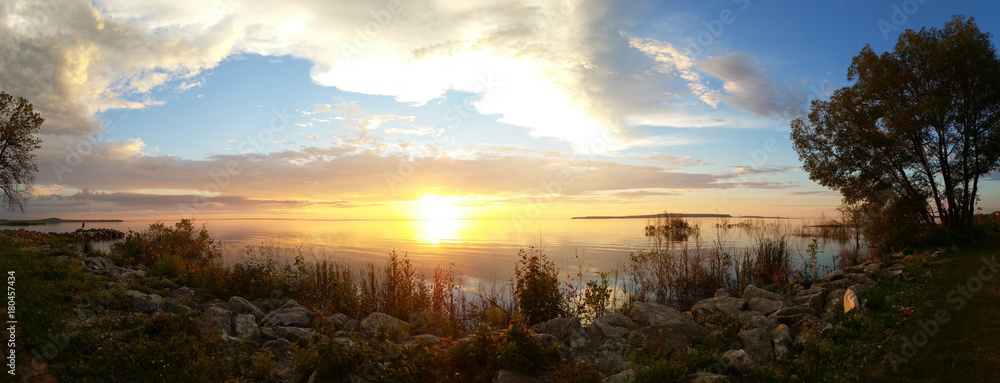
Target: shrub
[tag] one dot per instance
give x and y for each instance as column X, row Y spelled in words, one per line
column 537, row 287
column 194, row 246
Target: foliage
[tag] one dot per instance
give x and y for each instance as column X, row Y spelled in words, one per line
column 19, row 125
column 195, row 247
column 536, row 287
column 911, row 137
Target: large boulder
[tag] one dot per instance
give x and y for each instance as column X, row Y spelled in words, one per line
column 740, row 360
column 239, row 305
column 385, row 324
column 245, row 326
column 707, row 307
column 752, row 291
column 602, row 351
column 216, row 320
column 568, row 329
column 293, row 334
column 664, row 317
column 342, row 322
column 781, row 338
column 289, row 315
column 757, row 343
column 146, row 303
column 627, row 376
column 612, row 325
column 764, row 306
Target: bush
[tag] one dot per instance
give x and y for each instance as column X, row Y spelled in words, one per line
column 537, row 287
column 194, row 246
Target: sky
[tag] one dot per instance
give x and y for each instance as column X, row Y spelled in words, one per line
column 406, row 109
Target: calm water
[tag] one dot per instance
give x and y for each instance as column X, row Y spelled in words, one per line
column 481, row 248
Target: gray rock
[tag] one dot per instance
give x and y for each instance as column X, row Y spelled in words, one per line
column 344, row 322
column 547, row 340
column 627, row 376
column 814, row 300
column 764, row 306
column 216, row 320
column 791, row 315
column 146, row 303
column 566, row 329
column 757, row 343
column 245, row 326
column 721, row 293
column 873, row 268
column 834, row 304
column 284, row 365
column 752, row 291
column 385, row 324
column 181, row 292
column 781, row 338
column 507, row 376
column 612, row 325
column 267, row 334
column 708, row 377
column 231, row 341
column 739, row 360
column 179, row 309
column 707, row 307
column 661, row 317
column 279, row 348
column 289, row 315
column 268, row 304
column 238, row 305
column 833, row 276
column 293, row 334
column 602, row 351
column 759, row 320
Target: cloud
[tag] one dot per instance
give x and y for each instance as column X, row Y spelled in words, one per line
column 661, row 158
column 752, row 88
column 314, row 138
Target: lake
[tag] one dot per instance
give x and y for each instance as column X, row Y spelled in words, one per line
column 480, row 247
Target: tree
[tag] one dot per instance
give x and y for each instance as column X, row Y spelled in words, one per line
column 18, row 138
column 910, row 138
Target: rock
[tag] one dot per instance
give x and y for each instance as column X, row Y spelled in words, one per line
column 267, row 334
column 293, row 334
column 627, row 376
column 268, row 304
column 872, row 268
column 757, row 343
column 181, row 292
column 281, row 349
column 781, row 338
column 790, row 315
column 245, row 326
column 758, row 320
column 231, row 341
column 381, row 323
column 752, row 291
column 814, row 300
column 721, row 293
column 602, row 351
column 708, row 307
column 426, row 339
column 217, row 320
column 833, row 276
column 179, row 309
column 566, row 329
column 662, row 317
column 507, row 376
column 851, row 301
column 896, row 273
column 708, row 377
column 739, row 360
column 547, row 340
column 238, row 305
column 613, row 325
column 815, row 288
column 764, row 306
column 146, row 303
column 289, row 315
column 806, row 326
column 834, row 304
column 344, row 322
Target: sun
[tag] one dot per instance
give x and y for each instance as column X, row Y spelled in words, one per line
column 435, row 207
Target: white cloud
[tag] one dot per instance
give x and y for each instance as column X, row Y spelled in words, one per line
column 752, row 88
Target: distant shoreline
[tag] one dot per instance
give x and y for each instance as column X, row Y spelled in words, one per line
column 46, row 221
column 674, row 215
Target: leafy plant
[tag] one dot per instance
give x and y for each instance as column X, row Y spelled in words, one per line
column 537, row 287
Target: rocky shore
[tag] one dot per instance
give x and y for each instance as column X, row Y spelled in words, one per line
column 773, row 324
column 95, row 234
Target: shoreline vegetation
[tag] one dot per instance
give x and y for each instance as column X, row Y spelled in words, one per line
column 160, row 305
column 46, row 221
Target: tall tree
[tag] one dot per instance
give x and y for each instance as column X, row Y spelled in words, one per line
column 18, row 138
column 915, row 131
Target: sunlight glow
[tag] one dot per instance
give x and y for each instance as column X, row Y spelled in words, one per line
column 435, row 207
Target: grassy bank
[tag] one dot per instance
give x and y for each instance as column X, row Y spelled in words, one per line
column 79, row 328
